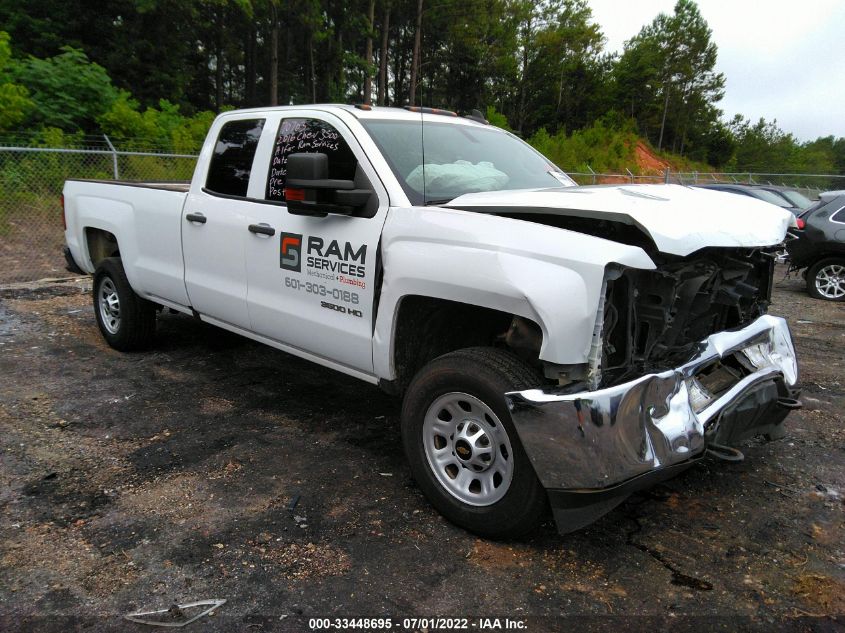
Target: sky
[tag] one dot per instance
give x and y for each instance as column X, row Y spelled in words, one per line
column 782, row 61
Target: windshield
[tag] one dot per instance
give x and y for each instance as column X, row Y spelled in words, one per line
column 797, row 199
column 459, row 159
column 774, row 198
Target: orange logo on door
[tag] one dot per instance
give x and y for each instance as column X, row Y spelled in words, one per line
column 291, row 248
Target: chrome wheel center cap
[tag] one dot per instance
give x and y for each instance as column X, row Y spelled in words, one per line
column 472, row 445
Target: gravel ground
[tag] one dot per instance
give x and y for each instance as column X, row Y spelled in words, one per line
column 31, row 244
column 214, row 467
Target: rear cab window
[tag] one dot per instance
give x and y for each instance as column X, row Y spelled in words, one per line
column 234, row 153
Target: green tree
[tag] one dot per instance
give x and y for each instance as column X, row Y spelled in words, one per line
column 834, row 148
column 164, row 127
column 666, row 78
column 557, row 68
column 637, row 82
column 569, row 64
column 14, row 98
column 764, row 147
column 604, row 146
column 68, row 91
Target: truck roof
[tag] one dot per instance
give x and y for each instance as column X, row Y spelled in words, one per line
column 370, row 112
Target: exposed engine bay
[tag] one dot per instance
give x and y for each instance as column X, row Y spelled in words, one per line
column 655, row 319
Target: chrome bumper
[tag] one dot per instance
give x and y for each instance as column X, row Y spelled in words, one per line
column 597, row 440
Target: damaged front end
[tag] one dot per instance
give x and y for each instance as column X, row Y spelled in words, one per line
column 684, row 358
column 653, row 319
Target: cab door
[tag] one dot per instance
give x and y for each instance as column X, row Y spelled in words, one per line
column 312, row 282
column 215, row 223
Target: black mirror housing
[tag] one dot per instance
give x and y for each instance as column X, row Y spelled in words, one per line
column 309, row 190
column 307, row 167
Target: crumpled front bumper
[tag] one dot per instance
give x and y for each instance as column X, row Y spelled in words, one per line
column 590, row 450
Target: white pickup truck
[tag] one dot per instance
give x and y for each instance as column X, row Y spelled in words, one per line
column 554, row 344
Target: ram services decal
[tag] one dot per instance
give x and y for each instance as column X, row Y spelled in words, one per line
column 341, row 261
column 331, row 263
column 332, row 258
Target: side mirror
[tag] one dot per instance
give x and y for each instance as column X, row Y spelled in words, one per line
column 309, row 190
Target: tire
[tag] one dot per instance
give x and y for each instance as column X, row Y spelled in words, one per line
column 126, row 321
column 491, row 488
column 826, row 279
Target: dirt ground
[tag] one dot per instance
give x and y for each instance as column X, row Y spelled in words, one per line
column 31, row 248
column 214, row 467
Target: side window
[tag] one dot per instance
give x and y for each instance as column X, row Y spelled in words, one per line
column 839, row 216
column 308, row 136
column 231, row 163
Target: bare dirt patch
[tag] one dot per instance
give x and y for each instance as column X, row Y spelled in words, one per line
column 300, row 562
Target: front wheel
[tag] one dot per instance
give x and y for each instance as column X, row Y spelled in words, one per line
column 462, row 446
column 826, row 279
column 126, row 321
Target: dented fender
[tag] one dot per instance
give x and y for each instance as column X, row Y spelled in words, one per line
column 548, row 275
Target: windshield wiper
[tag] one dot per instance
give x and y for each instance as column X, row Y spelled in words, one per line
column 431, row 203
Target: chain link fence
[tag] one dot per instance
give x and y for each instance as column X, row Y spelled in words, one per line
column 811, row 185
column 31, row 181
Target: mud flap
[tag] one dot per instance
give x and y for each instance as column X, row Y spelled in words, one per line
column 574, row 509
column 70, row 264
column 569, row 519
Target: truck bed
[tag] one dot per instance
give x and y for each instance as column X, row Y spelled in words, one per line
column 181, row 186
column 144, row 218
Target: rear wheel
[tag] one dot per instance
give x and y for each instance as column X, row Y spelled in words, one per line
column 826, row 279
column 126, row 321
column 462, row 446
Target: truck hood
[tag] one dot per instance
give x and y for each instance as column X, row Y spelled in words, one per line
column 680, row 220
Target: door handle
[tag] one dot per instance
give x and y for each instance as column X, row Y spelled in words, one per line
column 196, row 217
column 262, row 229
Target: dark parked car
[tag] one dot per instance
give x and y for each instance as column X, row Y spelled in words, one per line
column 792, row 196
column 753, row 191
column 819, row 247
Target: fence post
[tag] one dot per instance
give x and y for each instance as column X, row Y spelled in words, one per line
column 593, row 173
column 666, row 179
column 630, row 175
column 113, row 157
